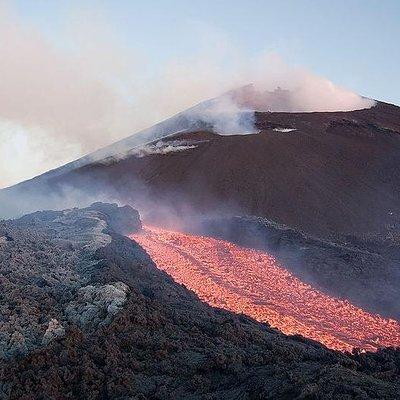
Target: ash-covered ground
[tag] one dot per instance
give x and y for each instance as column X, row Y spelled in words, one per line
column 86, row 314
column 47, row 266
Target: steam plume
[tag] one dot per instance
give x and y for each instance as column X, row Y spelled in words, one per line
column 59, row 103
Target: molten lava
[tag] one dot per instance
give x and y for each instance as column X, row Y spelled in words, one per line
column 252, row 282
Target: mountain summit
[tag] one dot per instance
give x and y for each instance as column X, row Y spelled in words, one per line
column 329, row 174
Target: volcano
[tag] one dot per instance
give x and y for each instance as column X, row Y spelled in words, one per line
column 327, row 174
column 331, row 177
column 323, row 186
column 286, row 224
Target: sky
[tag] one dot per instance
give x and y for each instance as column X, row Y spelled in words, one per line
column 81, row 74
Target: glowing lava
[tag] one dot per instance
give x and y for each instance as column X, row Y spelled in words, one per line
column 252, row 282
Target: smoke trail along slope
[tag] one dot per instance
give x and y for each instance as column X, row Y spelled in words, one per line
column 252, row 282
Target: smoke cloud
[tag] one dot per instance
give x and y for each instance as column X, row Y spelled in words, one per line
column 61, row 102
column 281, row 87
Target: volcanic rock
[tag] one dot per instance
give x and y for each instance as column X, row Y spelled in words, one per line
column 160, row 340
column 46, row 271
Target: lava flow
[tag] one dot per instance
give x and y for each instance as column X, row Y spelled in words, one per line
column 252, row 282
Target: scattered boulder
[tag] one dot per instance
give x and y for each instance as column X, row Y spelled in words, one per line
column 97, row 305
column 55, row 330
column 123, row 220
column 49, row 269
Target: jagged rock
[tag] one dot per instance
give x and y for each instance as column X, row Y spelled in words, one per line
column 45, row 258
column 17, row 344
column 97, row 305
column 123, row 220
column 158, row 340
column 5, row 239
column 55, row 330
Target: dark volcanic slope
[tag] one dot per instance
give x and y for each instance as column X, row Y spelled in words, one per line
column 336, row 174
column 47, row 268
column 112, row 326
column 333, row 175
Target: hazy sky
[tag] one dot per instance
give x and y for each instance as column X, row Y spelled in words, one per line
column 77, row 75
column 355, row 43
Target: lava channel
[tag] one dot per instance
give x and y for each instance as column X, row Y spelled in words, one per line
column 253, row 283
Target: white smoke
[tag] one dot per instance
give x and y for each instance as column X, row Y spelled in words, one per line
column 280, row 87
column 54, row 104
column 59, row 103
column 158, row 147
column 284, row 130
column 224, row 115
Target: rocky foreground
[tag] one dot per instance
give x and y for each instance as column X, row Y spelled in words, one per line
column 86, row 314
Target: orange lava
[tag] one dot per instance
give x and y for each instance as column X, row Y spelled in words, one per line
column 252, row 282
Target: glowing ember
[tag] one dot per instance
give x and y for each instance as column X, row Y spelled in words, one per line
column 252, row 282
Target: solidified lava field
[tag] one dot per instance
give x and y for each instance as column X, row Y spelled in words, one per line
column 254, row 283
